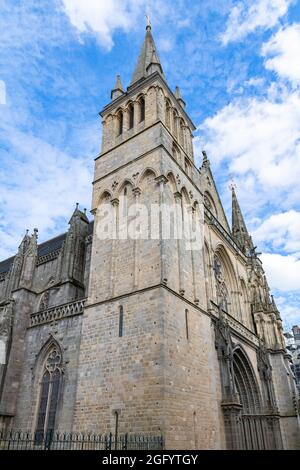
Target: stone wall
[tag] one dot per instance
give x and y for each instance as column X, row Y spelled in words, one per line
column 67, row 333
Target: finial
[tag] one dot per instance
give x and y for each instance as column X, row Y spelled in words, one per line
column 36, row 230
column 118, row 85
column 179, row 97
column 77, row 205
column 27, row 231
column 118, row 88
column 205, row 158
column 177, row 92
column 148, row 27
column 84, row 210
column 205, row 163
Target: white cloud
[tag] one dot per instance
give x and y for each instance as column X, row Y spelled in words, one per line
column 103, row 17
column 255, row 82
column 258, row 137
column 282, row 53
column 247, row 16
column 282, row 231
column 283, row 272
column 165, row 44
column 257, row 141
column 39, row 186
column 289, row 308
column 2, row 92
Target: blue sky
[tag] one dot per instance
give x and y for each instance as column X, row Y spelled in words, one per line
column 238, row 66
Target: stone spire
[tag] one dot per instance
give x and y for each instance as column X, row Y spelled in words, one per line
column 148, row 61
column 71, row 262
column 118, row 89
column 29, row 261
column 239, row 229
column 78, row 214
column 179, row 97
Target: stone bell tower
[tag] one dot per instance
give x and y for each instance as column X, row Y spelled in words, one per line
column 141, row 368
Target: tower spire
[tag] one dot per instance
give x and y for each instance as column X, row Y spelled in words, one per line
column 239, row 229
column 148, row 61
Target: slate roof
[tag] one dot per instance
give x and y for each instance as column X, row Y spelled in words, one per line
column 44, row 248
column 5, row 265
column 147, row 56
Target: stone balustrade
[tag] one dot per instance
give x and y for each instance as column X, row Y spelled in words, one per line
column 57, row 313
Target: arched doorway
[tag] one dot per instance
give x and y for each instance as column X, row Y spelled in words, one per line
column 249, row 424
column 253, row 426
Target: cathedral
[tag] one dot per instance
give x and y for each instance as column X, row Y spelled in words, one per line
column 144, row 333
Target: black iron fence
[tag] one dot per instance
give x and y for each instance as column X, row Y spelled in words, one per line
column 21, row 440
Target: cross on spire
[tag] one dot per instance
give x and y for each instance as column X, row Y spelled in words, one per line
column 148, row 20
column 148, row 61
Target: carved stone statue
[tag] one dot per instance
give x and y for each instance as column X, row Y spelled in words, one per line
column 224, row 346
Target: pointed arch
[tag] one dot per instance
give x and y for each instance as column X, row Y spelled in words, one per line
column 225, row 279
column 44, row 301
column 145, row 174
column 245, row 382
column 141, row 105
column 168, row 112
column 120, row 121
column 181, row 133
column 187, row 166
column 152, row 87
column 49, row 376
column 107, row 118
column 126, row 182
column 185, row 196
column 130, row 111
column 51, row 342
column 104, row 197
column 210, row 203
column 175, row 123
column 172, row 182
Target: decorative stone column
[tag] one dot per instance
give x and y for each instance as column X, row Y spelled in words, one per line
column 232, row 413
column 115, row 236
column 162, row 181
column 192, row 215
column 179, row 230
column 136, row 243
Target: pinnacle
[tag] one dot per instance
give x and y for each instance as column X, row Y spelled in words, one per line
column 148, row 56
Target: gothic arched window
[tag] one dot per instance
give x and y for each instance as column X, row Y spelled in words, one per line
column 181, row 133
column 175, row 124
column 175, row 152
column 187, row 167
column 131, row 115
column 209, row 203
column 44, row 302
column 142, row 109
column 222, row 291
column 120, row 122
column 168, row 114
column 49, row 393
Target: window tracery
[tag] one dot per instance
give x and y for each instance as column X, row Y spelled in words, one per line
column 221, row 287
column 49, row 393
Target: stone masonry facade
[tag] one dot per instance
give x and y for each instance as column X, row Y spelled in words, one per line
column 142, row 335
